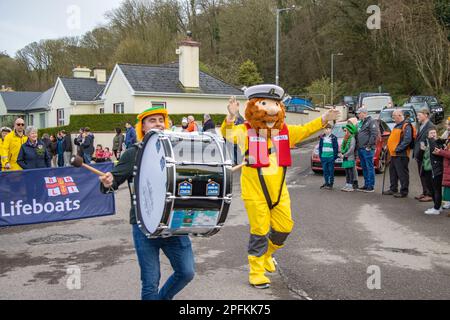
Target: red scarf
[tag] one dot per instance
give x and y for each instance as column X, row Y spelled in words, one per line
column 258, row 152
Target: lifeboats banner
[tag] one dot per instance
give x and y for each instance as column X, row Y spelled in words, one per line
column 51, row 195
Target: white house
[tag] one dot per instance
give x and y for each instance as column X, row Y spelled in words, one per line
column 80, row 94
column 132, row 88
column 33, row 107
column 180, row 87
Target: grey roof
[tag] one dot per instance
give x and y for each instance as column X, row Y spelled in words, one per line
column 80, row 89
column 165, row 79
column 18, row 101
column 41, row 102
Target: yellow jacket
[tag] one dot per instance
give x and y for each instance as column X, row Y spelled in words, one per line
column 10, row 150
column 273, row 175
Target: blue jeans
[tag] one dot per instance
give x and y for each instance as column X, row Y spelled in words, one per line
column 366, row 160
column 87, row 158
column 181, row 257
column 328, row 170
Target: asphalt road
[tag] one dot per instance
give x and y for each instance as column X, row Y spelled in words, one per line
column 337, row 238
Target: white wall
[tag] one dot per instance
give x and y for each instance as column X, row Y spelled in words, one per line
column 3, row 110
column 83, row 109
column 60, row 100
column 119, row 92
column 37, row 122
column 184, row 105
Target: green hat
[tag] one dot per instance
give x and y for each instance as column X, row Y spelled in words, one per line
column 351, row 128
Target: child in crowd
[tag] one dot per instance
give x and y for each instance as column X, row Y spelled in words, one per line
column 347, row 155
column 433, row 169
column 99, row 154
column 107, row 154
column 328, row 153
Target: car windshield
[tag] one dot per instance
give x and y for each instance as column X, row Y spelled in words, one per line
column 417, row 99
column 386, row 116
column 418, row 106
column 338, row 132
column 377, row 103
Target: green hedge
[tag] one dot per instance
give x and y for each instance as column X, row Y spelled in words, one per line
column 109, row 122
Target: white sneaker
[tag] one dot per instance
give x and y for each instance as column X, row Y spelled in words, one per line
column 433, row 212
column 446, row 206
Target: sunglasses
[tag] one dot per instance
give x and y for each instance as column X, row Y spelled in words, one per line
column 20, row 124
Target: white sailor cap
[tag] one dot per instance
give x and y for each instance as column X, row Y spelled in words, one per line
column 268, row 91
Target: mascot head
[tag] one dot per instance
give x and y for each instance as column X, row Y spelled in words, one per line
column 265, row 110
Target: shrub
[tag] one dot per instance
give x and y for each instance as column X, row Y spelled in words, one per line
column 109, row 122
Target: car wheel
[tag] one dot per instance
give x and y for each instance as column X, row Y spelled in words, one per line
column 381, row 163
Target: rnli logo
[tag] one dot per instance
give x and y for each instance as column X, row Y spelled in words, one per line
column 60, row 186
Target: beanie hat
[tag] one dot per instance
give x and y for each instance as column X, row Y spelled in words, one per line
column 351, row 128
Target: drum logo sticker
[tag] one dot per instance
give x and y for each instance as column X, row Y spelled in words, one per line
column 185, row 189
column 212, row 189
column 193, row 219
column 60, row 186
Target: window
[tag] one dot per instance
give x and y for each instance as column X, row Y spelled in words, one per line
column 60, row 117
column 102, row 110
column 159, row 105
column 42, row 120
column 119, row 108
column 31, row 120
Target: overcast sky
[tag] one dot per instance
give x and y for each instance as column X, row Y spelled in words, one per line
column 26, row 21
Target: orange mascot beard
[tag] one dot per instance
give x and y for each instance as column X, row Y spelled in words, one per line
column 258, row 118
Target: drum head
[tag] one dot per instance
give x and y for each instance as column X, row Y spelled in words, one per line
column 151, row 183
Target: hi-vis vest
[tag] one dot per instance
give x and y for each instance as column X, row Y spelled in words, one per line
column 396, row 137
column 258, row 152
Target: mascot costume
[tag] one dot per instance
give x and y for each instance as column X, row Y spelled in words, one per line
column 266, row 140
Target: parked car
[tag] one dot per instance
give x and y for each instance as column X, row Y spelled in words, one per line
column 409, row 112
column 374, row 102
column 379, row 156
column 297, row 104
column 350, row 102
column 431, row 103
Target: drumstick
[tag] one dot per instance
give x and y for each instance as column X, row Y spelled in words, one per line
column 77, row 162
column 236, row 168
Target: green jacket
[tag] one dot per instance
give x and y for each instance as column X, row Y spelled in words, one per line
column 124, row 172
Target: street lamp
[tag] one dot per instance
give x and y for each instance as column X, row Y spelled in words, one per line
column 277, row 58
column 332, row 75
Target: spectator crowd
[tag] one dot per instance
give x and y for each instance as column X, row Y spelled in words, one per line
column 430, row 152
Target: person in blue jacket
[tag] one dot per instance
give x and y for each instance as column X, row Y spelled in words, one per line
column 130, row 137
column 328, row 153
column 33, row 154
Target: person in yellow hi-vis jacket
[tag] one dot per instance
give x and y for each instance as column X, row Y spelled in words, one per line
column 3, row 133
column 11, row 146
column 266, row 140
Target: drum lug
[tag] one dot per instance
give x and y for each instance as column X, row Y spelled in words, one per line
column 169, row 197
column 228, row 199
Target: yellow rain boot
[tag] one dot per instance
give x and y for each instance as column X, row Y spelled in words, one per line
column 269, row 261
column 256, row 276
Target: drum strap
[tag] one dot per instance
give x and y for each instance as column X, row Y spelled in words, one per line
column 270, row 204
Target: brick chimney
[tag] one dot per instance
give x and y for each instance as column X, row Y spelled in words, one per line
column 189, row 62
column 82, row 72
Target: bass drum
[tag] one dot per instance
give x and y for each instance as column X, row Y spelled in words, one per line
column 183, row 184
